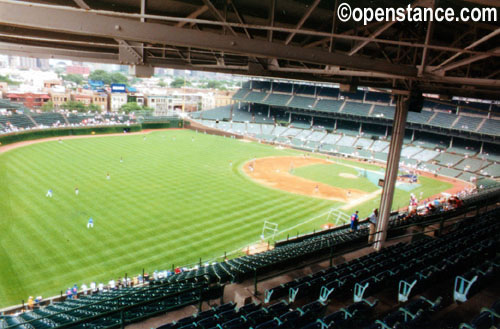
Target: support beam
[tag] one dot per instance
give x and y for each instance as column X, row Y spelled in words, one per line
column 303, row 20
column 472, row 45
column 240, row 18
column 391, row 171
column 427, row 40
column 384, row 27
column 194, row 14
column 272, row 8
column 466, row 61
column 218, row 15
column 87, row 23
column 372, row 37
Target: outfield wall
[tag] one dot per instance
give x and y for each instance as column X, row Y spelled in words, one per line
column 27, row 135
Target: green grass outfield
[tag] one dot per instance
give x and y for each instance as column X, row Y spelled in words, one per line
column 169, row 202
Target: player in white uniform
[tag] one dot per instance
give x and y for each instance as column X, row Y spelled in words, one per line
column 49, row 193
column 90, row 223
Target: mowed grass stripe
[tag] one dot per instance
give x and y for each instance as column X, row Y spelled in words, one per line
column 169, row 202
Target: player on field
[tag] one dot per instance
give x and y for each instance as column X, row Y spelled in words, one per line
column 76, row 190
column 49, row 193
column 90, row 223
column 108, row 177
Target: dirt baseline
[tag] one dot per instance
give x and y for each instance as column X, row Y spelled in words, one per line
column 274, row 172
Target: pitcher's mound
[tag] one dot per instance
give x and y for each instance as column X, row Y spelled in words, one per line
column 346, row 175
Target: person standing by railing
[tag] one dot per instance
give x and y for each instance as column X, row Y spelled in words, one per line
column 372, row 223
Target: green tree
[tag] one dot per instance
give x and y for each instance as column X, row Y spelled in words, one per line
column 100, row 75
column 74, row 105
column 76, row 78
column 108, row 78
column 5, row 78
column 131, row 107
column 93, row 108
column 117, row 77
column 47, row 107
column 162, row 83
column 179, row 82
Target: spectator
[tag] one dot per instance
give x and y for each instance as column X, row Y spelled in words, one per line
column 74, row 291
column 93, row 287
column 354, row 221
column 69, row 293
column 372, row 222
column 30, row 302
column 84, row 289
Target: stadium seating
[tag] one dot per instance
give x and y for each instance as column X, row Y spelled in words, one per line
column 409, row 151
column 260, row 85
column 302, row 102
column 490, row 126
column 471, row 164
column 468, row 123
column 242, row 115
column 304, row 90
column 488, row 318
column 420, row 118
column 49, row 119
column 104, row 309
column 326, row 105
column 383, row 111
column 255, row 97
column 443, row 120
column 276, row 99
column 447, row 159
column 363, row 142
column 241, row 94
column 492, row 170
column 425, row 155
column 356, row 108
column 347, row 141
column 16, row 120
column 450, row 172
column 282, row 87
column 218, row 113
column 328, row 92
column 379, row 146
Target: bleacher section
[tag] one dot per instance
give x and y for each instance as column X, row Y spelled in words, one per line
column 383, row 111
column 468, row 123
column 218, row 113
column 241, row 115
column 48, row 119
column 420, row 118
column 447, row 159
column 356, row 108
column 328, row 92
column 471, row 164
column 276, row 100
column 444, row 120
column 302, row 102
column 255, row 97
column 101, row 310
column 241, row 94
column 490, row 126
column 327, row 105
column 16, row 120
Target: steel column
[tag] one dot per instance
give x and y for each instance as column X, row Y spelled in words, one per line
column 391, row 172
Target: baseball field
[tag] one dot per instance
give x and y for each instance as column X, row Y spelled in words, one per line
column 171, row 197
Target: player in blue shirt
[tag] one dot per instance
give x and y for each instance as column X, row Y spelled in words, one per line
column 90, row 223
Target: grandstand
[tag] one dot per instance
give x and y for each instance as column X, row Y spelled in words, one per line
column 351, row 91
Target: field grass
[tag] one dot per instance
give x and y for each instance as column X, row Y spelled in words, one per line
column 173, row 200
column 330, row 174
